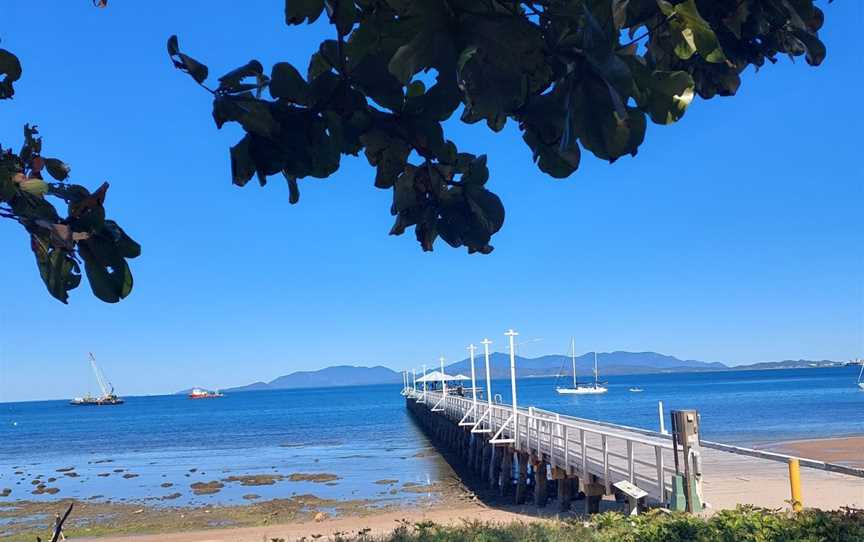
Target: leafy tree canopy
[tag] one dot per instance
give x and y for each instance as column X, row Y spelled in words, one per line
column 60, row 243
column 574, row 75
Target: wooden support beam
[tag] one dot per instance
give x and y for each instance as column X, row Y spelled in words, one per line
column 505, row 479
column 540, row 480
column 495, row 467
column 565, row 489
column 594, row 492
column 521, row 477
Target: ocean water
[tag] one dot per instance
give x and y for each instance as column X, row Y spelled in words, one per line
column 363, row 435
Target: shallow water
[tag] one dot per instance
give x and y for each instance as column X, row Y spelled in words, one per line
column 364, row 434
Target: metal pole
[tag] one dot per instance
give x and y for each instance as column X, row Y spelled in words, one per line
column 486, row 343
column 512, row 335
column 414, row 379
column 443, row 382
column 662, row 423
column 795, row 484
column 424, row 382
column 471, row 349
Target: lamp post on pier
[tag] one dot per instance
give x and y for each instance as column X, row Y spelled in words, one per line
column 471, row 350
column 511, row 335
column 486, row 343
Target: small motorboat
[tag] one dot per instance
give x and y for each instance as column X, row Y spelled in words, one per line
column 635, row 389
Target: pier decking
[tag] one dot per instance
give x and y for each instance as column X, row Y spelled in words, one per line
column 587, row 456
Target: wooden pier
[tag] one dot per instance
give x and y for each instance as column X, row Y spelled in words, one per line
column 529, row 451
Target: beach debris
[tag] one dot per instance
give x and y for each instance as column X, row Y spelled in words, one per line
column 319, row 517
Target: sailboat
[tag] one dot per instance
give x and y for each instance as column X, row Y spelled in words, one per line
column 108, row 396
column 577, row 388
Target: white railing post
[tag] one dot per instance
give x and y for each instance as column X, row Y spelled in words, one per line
column 584, row 447
column 512, row 335
column 631, row 474
column 658, row 455
column 660, row 414
column 605, row 446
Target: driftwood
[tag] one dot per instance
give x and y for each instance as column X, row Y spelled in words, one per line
column 58, row 526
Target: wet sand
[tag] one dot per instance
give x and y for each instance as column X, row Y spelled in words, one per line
column 847, row 451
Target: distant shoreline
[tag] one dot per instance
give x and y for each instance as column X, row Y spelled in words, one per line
column 649, row 371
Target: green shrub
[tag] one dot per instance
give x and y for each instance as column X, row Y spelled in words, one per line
column 745, row 524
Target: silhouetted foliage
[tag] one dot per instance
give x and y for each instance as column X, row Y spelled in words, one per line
column 59, row 242
column 573, row 74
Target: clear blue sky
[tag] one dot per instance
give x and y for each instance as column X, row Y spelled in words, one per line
column 735, row 235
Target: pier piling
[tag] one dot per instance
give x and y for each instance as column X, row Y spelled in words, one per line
column 521, row 476
column 505, row 478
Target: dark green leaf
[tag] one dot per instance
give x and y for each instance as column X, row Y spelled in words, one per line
column 57, row 169
column 298, row 11
column 186, row 63
column 287, row 83
column 691, row 32
column 10, row 68
column 242, row 166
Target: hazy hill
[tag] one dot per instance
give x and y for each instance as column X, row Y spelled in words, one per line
column 340, row 375
column 610, row 363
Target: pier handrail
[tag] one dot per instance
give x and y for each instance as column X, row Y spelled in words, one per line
column 741, row 450
column 553, row 436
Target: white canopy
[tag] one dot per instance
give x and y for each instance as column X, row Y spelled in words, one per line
column 437, row 376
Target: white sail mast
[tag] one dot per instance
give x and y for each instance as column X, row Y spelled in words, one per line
column 573, row 358
column 596, row 374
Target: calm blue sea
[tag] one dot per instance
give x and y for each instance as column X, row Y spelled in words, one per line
column 364, row 435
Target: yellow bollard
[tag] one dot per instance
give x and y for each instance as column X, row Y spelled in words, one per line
column 795, row 484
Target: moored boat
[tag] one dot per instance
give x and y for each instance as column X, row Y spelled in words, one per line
column 579, row 389
column 198, row 393
column 108, row 396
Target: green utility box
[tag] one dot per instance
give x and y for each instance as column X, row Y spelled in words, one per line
column 678, row 500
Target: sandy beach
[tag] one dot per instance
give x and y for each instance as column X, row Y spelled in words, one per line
column 378, row 524
column 847, row 451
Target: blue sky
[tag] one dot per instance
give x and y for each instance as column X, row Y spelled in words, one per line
column 735, row 235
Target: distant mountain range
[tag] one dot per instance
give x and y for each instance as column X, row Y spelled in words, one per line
column 610, row 363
